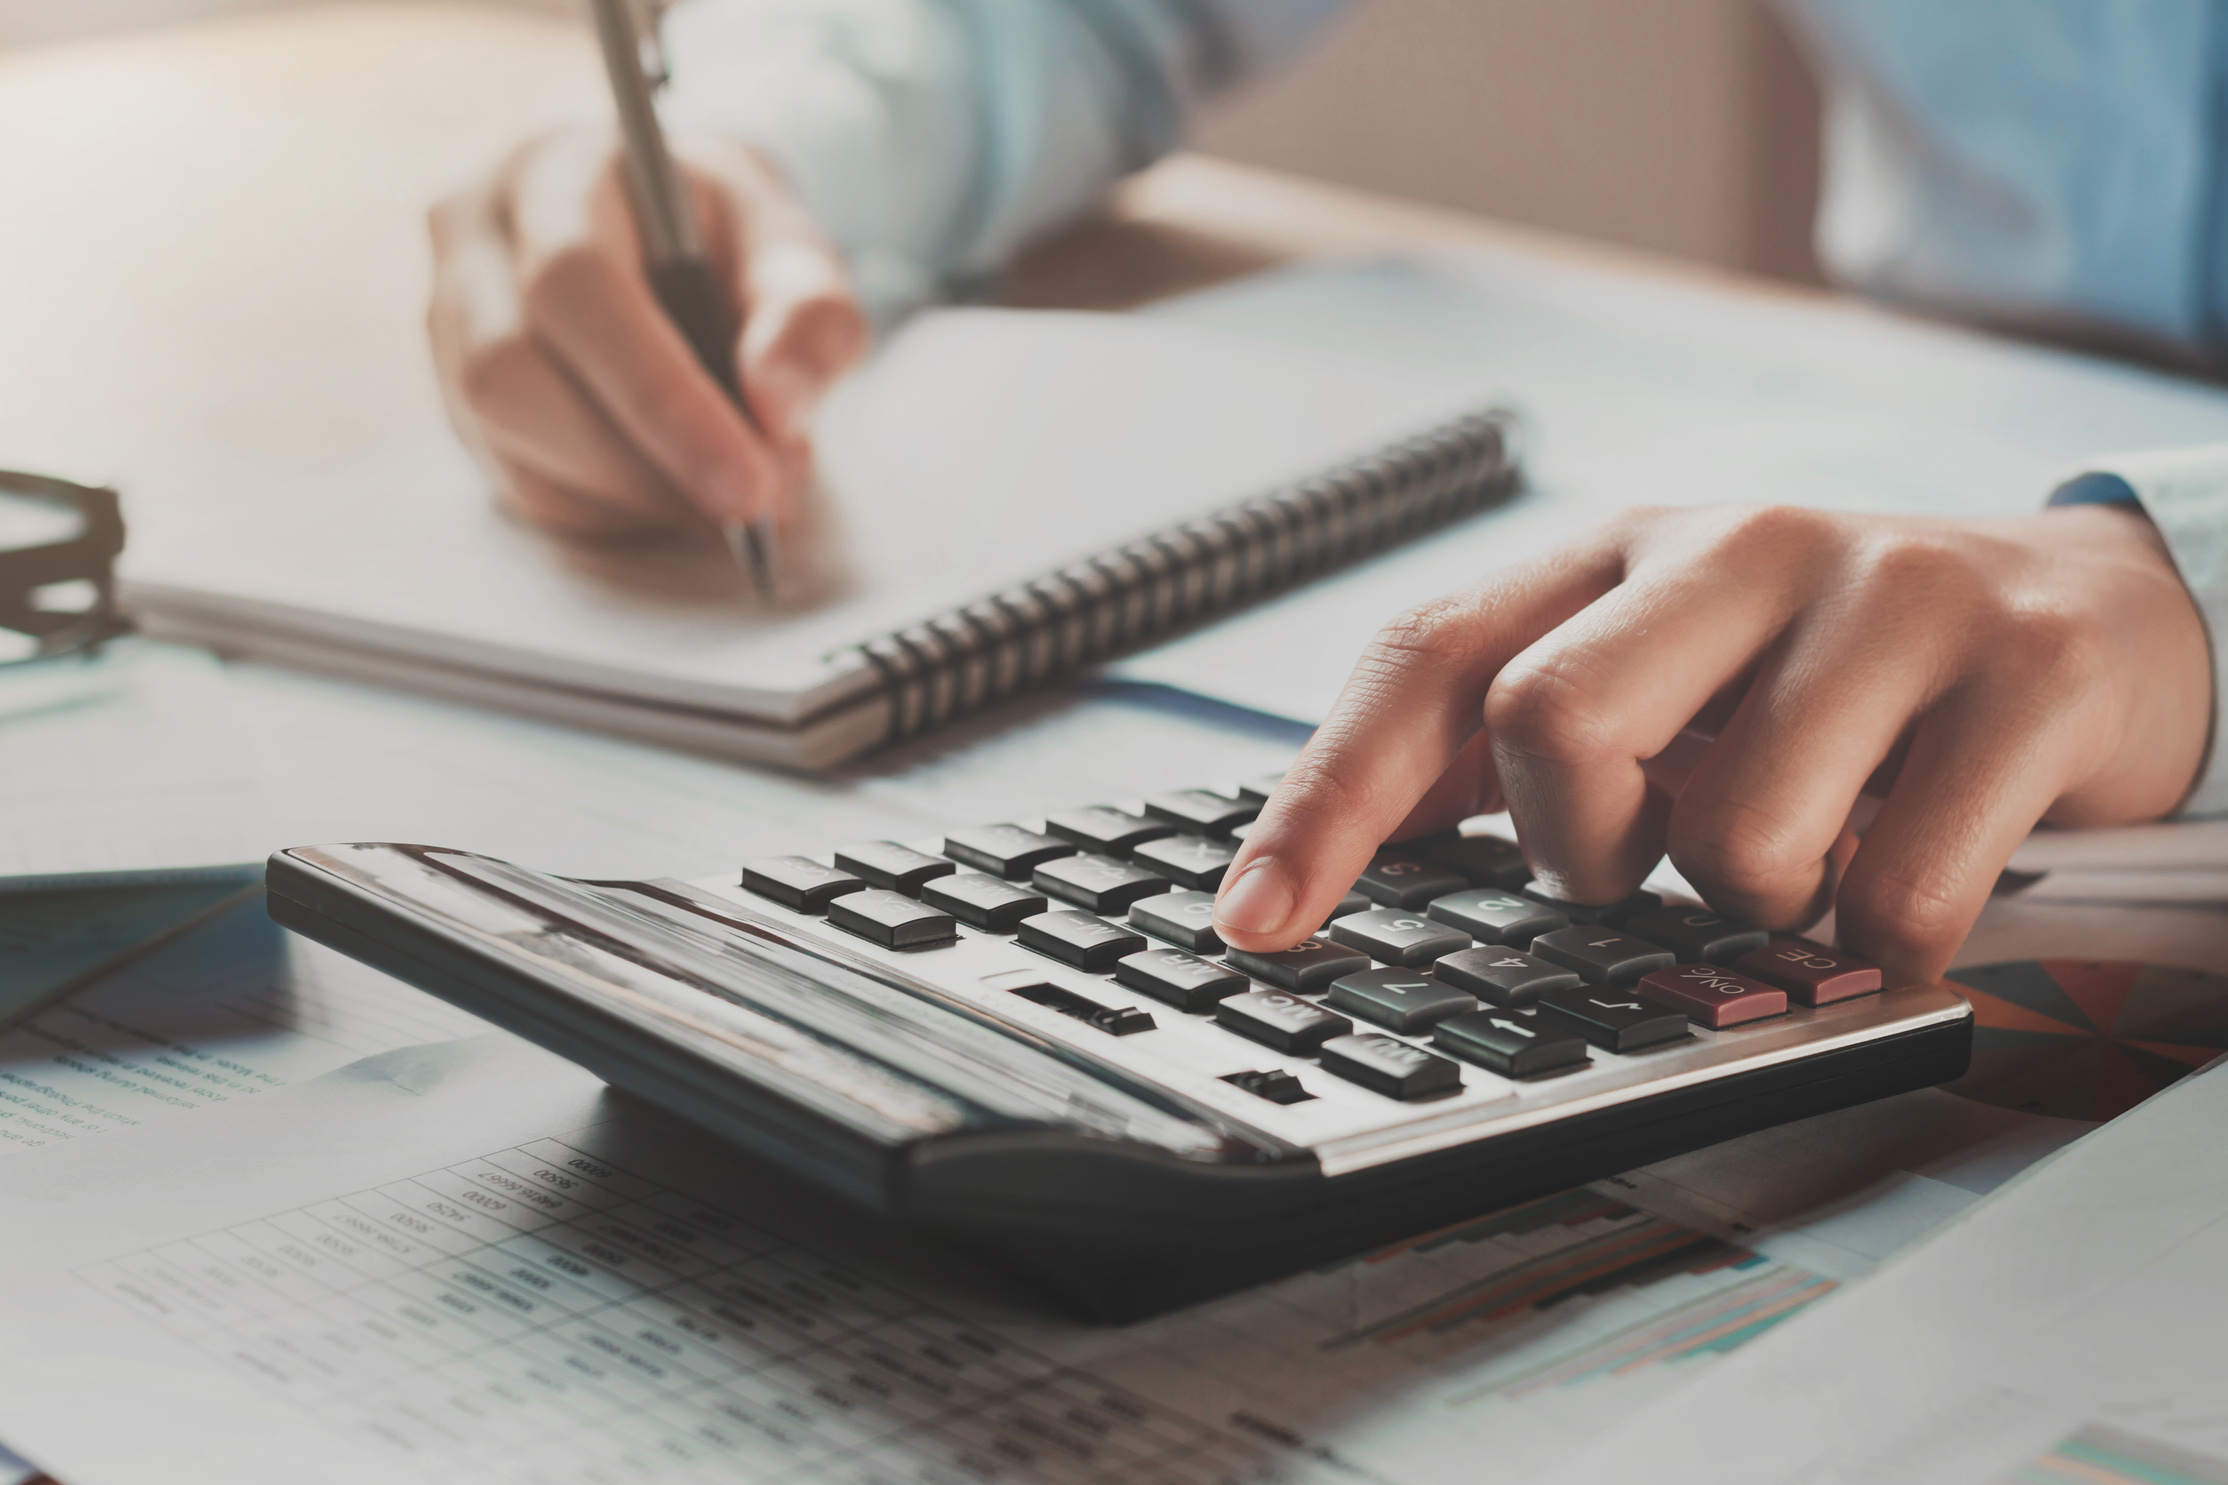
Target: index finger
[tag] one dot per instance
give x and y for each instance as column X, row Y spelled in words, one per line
column 1414, row 702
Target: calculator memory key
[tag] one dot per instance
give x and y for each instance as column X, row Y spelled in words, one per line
column 1283, row 1022
column 1385, row 1064
column 1182, row 980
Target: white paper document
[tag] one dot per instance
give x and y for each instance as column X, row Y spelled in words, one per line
column 2075, row 1328
column 470, row 1262
column 234, row 1009
column 129, row 768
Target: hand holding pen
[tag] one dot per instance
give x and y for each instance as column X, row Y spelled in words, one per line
column 593, row 411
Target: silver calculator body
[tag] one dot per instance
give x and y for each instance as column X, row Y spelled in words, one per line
column 1123, row 1153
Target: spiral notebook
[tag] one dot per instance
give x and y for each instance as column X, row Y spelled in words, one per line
column 1006, row 497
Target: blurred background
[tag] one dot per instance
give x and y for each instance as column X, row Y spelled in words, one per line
column 1687, row 129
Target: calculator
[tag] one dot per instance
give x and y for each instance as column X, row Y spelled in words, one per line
column 1025, row 1037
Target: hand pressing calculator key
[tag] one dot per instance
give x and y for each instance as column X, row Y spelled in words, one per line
column 1026, row 1037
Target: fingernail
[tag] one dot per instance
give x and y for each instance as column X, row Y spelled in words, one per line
column 1257, row 902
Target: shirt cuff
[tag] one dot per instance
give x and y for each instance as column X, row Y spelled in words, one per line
column 2185, row 494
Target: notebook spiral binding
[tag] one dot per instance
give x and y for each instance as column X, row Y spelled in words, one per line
column 1123, row 599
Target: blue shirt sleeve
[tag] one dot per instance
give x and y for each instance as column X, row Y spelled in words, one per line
column 934, row 137
column 2049, row 162
column 2185, row 494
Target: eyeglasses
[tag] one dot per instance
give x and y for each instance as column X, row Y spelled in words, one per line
column 58, row 546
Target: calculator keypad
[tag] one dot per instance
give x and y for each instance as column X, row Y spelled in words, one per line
column 1087, row 942
column 1438, row 980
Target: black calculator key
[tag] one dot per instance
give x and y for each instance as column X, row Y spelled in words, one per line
column 1005, row 850
column 896, row 868
column 1202, row 810
column 1404, row 882
column 1609, row 915
column 1277, row 1086
column 1696, row 935
column 1182, row 980
column 1102, row 828
column 981, row 901
column 1391, row 936
column 1099, row 883
column 1284, row 1022
column 1259, row 789
column 799, row 883
column 1504, row 976
column 1492, row 916
column 1388, row 1065
column 1602, row 956
column 1079, row 939
column 1486, row 860
column 1510, row 1043
column 1614, row 1020
column 1190, row 861
column 1185, row 919
column 891, row 919
column 1351, row 903
column 1307, row 967
column 1398, row 999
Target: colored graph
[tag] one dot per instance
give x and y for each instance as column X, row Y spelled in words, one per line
column 1708, row 1295
column 2104, row 1456
column 2085, row 1039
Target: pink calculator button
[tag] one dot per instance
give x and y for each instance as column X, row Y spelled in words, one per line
column 1712, row 997
column 1812, row 975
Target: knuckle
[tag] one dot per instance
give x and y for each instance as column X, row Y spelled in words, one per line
column 1907, row 918
column 1538, row 711
column 1743, row 854
column 1907, row 566
column 1776, row 529
column 1430, row 632
column 2047, row 647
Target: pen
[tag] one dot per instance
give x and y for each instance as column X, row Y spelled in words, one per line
column 672, row 243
